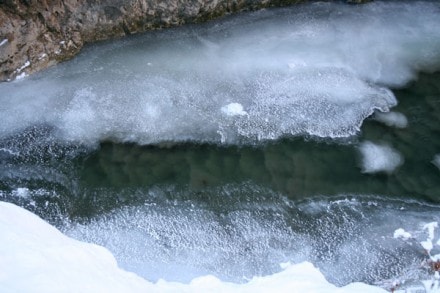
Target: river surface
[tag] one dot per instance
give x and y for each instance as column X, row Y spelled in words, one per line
column 303, row 133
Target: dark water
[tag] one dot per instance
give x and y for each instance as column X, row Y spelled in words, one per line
column 177, row 210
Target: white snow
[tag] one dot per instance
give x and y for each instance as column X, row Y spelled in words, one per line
column 36, row 257
column 21, row 76
column 26, row 64
column 379, row 158
column 401, row 233
column 393, row 119
column 44, row 55
column 3, row 42
column 233, row 109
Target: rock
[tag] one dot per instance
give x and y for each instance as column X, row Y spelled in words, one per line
column 40, row 33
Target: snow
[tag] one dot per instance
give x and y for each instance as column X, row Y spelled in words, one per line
column 36, row 257
column 26, row 64
column 379, row 158
column 233, row 109
column 3, row 42
column 21, row 76
column 401, row 233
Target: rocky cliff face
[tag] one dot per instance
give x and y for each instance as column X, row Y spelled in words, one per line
column 35, row 34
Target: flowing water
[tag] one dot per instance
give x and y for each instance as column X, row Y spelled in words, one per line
column 230, row 147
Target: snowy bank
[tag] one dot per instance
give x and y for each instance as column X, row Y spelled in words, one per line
column 36, row 257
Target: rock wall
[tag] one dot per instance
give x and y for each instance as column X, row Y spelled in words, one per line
column 35, row 34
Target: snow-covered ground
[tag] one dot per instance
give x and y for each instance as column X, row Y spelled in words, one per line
column 36, row 257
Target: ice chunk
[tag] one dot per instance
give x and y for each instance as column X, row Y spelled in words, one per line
column 233, row 109
column 394, row 119
column 379, row 158
column 22, row 192
column 401, row 233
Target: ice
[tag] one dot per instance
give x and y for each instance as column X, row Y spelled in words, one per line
column 436, row 161
column 36, row 257
column 233, row 109
column 294, row 71
column 3, row 42
column 22, row 192
column 394, row 119
column 401, row 233
column 430, row 227
column 427, row 245
column 9, row 151
column 379, row 158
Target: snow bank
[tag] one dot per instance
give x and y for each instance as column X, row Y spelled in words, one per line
column 36, row 257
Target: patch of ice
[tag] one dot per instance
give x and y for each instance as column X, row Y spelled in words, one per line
column 427, row 245
column 379, row 158
column 9, row 151
column 393, row 119
column 233, row 109
column 430, row 227
column 3, row 42
column 21, row 192
column 401, row 233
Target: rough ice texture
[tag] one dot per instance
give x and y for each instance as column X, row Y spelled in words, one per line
column 36, row 257
column 379, row 158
